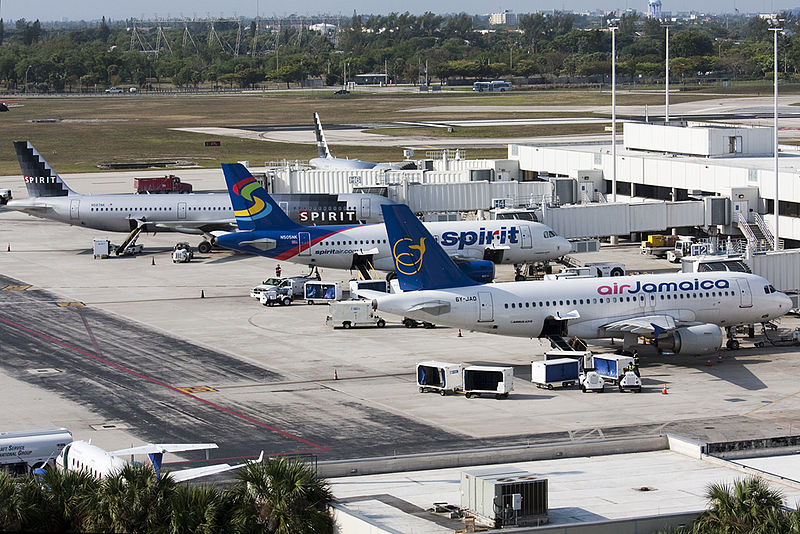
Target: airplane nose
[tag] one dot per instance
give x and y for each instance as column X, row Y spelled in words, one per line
column 564, row 246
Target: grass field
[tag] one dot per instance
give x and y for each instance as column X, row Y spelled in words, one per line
column 90, row 130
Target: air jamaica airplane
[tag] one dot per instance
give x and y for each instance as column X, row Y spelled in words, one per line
column 264, row 229
column 682, row 312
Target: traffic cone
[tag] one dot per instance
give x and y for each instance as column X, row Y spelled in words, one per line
column 335, row 375
column 153, row 260
column 9, row 248
column 459, row 333
column 202, row 294
column 708, row 363
column 664, row 391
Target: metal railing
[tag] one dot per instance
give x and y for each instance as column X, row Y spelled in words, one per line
column 764, row 230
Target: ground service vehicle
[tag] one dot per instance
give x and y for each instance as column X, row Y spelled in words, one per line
column 164, row 184
column 5, row 196
column 275, row 295
column 22, row 451
column 182, row 253
column 611, row 367
column 265, row 285
column 441, row 377
column 372, row 285
column 353, row 313
column 630, row 382
column 561, row 372
column 591, row 381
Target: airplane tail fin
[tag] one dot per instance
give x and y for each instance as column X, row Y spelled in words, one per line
column 253, row 207
column 40, row 179
column 322, row 144
column 420, row 261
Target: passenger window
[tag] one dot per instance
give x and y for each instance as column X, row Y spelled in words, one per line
column 506, row 305
column 512, row 305
column 527, row 304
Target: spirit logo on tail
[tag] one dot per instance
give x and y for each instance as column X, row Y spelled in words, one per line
column 408, row 262
column 259, row 208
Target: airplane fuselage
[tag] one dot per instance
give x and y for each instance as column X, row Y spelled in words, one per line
column 165, row 212
column 509, row 242
column 522, row 308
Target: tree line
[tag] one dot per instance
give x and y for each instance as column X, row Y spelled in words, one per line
column 278, row 495
column 410, row 48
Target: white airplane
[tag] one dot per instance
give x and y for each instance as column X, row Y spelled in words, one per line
column 327, row 161
column 682, row 312
column 477, row 245
column 83, row 456
column 201, row 214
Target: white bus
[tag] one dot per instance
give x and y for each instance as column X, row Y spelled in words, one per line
column 494, row 85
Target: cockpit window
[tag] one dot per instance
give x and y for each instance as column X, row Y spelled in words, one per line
column 769, row 290
column 549, row 234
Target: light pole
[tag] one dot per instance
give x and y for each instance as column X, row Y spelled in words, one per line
column 26, row 79
column 666, row 75
column 775, row 31
column 613, row 113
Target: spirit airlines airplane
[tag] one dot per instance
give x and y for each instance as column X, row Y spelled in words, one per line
column 328, row 162
column 682, row 313
column 83, row 456
column 201, row 214
column 265, row 230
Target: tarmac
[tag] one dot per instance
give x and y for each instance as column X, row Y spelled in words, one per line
column 112, row 368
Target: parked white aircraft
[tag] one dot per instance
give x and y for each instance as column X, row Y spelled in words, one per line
column 327, row 161
column 83, row 456
column 477, row 245
column 682, row 312
column 196, row 213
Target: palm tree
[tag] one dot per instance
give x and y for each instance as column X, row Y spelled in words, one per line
column 8, row 513
column 749, row 506
column 280, row 496
column 196, row 510
column 69, row 497
column 133, row 500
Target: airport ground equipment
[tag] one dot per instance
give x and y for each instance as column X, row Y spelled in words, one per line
column 5, row 196
column 589, row 270
column 275, row 295
column 487, row 380
column 101, row 247
column 630, row 382
column 372, row 285
column 584, row 357
column 687, row 246
column 589, row 380
column 441, row 377
column 318, row 291
column 611, row 367
column 505, row 496
column 561, row 372
column 349, row 313
column 182, row 253
column 163, row 184
column 408, row 322
column 265, row 285
column 22, row 451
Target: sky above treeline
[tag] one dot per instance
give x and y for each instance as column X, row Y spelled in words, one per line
column 56, row 10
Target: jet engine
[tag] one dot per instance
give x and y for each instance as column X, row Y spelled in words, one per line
column 481, row 270
column 700, row 340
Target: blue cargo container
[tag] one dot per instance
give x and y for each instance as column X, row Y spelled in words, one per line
column 611, row 366
column 561, row 372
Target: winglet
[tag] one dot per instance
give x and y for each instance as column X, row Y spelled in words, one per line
column 322, row 144
column 420, row 262
column 40, row 178
column 253, row 207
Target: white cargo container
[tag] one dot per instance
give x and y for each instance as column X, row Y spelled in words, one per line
column 101, row 248
column 315, row 292
column 23, row 450
column 480, row 379
column 353, row 313
column 371, row 285
column 439, row 376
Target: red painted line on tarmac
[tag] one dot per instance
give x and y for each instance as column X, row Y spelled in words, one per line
column 162, row 384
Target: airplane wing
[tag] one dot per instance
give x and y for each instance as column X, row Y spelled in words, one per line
column 156, row 448
column 206, row 226
column 650, row 325
column 208, row 470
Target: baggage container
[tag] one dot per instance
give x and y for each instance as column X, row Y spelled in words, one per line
column 347, row 314
column 584, row 357
column 484, row 379
column 562, row 372
column 314, row 292
column 439, row 376
column 611, row 366
column 371, row 285
column 101, row 247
